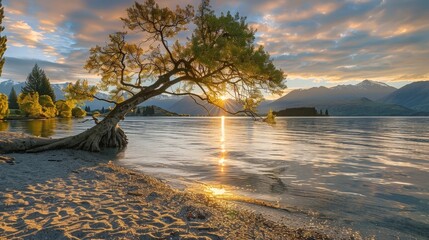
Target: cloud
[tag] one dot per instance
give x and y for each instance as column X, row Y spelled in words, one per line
column 318, row 40
column 24, row 35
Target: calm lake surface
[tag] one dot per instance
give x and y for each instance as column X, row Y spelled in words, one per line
column 368, row 174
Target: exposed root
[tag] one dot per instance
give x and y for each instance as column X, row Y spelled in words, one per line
column 93, row 140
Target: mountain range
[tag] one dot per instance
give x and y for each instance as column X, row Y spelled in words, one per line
column 367, row 98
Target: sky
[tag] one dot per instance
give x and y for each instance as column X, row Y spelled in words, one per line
column 315, row 42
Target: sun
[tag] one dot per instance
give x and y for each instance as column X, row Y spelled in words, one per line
column 223, row 97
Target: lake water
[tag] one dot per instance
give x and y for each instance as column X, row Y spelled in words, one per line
column 367, row 174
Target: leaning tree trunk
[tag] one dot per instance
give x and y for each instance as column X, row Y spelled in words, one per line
column 105, row 134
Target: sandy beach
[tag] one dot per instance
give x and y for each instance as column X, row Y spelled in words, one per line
column 69, row 194
column 77, row 195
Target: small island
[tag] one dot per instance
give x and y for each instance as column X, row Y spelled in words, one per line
column 301, row 112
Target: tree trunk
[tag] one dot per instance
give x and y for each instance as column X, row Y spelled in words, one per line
column 106, row 134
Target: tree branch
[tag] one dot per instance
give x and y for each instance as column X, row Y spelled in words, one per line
column 104, row 100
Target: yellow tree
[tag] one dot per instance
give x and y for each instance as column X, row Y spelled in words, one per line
column 4, row 106
column 218, row 57
column 29, row 104
column 64, row 108
column 48, row 107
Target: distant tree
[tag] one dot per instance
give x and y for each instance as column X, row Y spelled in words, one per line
column 4, row 108
column 88, row 109
column 326, row 112
column 46, row 88
column 103, row 110
column 29, row 104
column 3, row 39
column 138, row 112
column 13, row 99
column 37, row 81
column 321, row 113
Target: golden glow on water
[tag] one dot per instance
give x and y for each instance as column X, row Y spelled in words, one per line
column 223, row 152
column 216, row 191
column 222, row 131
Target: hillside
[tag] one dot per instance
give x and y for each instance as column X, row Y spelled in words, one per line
column 151, row 111
column 367, row 107
column 162, row 101
column 414, row 95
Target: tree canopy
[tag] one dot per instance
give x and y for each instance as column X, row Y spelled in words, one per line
column 48, row 107
column 4, row 108
column 3, row 39
column 64, row 108
column 29, row 104
column 219, row 58
column 37, row 81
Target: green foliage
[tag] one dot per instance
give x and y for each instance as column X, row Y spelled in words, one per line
column 13, row 99
column 80, row 91
column 78, row 112
column 218, row 58
column 224, row 45
column 271, row 118
column 64, row 108
column 3, row 39
column 29, row 104
column 37, row 81
column 4, row 106
column 48, row 107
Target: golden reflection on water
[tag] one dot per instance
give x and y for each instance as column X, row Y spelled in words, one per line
column 42, row 128
column 216, row 191
column 223, row 152
column 38, row 127
column 4, row 126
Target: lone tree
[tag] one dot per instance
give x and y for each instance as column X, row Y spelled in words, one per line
column 219, row 57
column 3, row 39
column 37, row 81
column 13, row 99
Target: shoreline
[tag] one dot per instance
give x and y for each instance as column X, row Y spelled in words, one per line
column 69, row 194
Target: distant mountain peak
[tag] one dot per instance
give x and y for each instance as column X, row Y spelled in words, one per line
column 9, row 82
column 370, row 83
